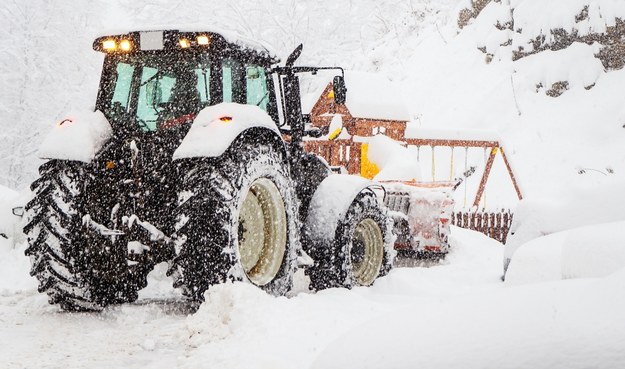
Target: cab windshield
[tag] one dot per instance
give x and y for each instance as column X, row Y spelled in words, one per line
column 152, row 91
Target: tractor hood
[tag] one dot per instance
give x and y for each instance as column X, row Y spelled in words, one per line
column 79, row 136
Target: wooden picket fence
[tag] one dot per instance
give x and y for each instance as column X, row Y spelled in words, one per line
column 493, row 224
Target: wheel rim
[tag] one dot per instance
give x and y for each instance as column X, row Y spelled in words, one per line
column 262, row 232
column 367, row 252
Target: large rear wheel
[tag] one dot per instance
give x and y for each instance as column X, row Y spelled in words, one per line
column 236, row 220
column 79, row 264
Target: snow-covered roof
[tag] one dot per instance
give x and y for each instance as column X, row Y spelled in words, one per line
column 369, row 95
column 414, row 131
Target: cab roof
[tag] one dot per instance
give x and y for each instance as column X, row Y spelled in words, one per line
column 178, row 40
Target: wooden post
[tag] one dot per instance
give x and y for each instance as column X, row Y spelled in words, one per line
column 516, row 186
column 489, row 166
column 353, row 167
column 334, row 154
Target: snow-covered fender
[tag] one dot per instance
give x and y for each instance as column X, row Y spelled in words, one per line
column 330, row 203
column 216, row 127
column 79, row 136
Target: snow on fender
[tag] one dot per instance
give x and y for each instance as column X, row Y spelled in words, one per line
column 330, row 203
column 77, row 137
column 215, row 128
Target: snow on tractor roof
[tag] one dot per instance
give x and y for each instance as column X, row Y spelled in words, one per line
column 369, row 95
column 155, row 38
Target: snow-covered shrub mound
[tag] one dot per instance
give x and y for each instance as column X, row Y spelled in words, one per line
column 540, row 216
column 14, row 269
column 591, row 251
column 8, row 199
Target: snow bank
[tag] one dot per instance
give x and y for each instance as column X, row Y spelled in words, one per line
column 8, row 200
column 215, row 128
column 591, row 251
column 14, row 270
column 79, row 137
column 228, row 308
column 562, row 325
column 394, row 161
column 575, row 207
column 276, row 333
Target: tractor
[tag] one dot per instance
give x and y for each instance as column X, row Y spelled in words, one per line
column 193, row 156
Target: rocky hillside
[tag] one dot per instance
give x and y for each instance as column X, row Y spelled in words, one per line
column 526, row 28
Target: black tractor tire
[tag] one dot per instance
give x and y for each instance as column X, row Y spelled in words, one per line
column 79, row 269
column 344, row 260
column 210, row 234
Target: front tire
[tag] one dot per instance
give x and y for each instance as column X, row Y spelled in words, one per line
column 236, row 220
column 361, row 250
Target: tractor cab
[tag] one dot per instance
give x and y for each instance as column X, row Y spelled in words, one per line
column 159, row 80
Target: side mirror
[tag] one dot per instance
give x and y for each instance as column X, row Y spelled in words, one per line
column 18, row 211
column 340, row 91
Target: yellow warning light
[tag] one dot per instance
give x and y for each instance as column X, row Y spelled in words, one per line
column 125, row 45
column 184, row 43
column 109, row 45
column 202, row 40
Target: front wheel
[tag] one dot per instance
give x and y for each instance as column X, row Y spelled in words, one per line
column 362, row 248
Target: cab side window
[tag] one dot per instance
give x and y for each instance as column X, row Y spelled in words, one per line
column 121, row 94
column 256, row 86
column 233, row 79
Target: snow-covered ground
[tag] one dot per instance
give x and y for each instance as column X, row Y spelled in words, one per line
column 456, row 314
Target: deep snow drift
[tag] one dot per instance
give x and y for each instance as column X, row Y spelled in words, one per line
column 457, row 314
